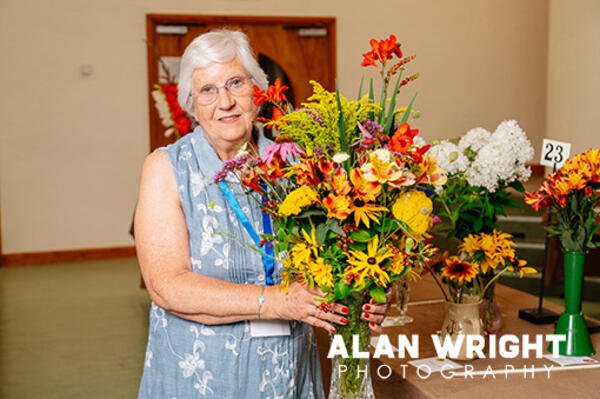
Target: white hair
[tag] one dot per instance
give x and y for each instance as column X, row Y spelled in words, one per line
column 216, row 47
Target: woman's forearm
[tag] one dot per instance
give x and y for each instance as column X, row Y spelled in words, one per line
column 213, row 301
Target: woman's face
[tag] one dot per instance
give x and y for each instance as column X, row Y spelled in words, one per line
column 228, row 120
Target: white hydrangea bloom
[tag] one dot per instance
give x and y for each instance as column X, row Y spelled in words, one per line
column 475, row 139
column 502, row 158
column 449, row 157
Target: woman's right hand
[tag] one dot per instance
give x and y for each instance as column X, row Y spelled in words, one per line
column 304, row 304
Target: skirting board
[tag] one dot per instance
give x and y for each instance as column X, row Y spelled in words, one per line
column 73, row 255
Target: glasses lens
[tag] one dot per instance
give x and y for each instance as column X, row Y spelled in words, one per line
column 207, row 95
column 237, row 86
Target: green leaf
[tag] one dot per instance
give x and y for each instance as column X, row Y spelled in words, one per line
column 378, row 294
column 358, row 246
column 517, row 185
column 321, row 233
column 335, row 227
column 310, row 212
column 360, row 236
column 408, row 110
column 371, row 114
column 341, row 290
column 390, row 116
column 512, row 203
column 477, row 225
column 360, row 87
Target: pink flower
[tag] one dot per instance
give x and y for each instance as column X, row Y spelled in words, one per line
column 282, row 148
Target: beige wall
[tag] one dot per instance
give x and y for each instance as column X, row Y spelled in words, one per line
column 71, row 147
column 574, row 73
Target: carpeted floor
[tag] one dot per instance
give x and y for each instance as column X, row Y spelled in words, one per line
column 73, row 330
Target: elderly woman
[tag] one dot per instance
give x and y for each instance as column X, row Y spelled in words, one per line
column 217, row 330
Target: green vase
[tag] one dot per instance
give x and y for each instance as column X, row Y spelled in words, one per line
column 571, row 322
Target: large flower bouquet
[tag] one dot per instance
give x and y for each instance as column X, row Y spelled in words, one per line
column 572, row 194
column 348, row 192
column 481, row 166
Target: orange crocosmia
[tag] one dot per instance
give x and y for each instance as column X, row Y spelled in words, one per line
column 251, row 180
column 277, row 114
column 275, row 92
column 338, row 206
column 340, row 183
column 368, row 60
column 364, row 189
column 402, row 139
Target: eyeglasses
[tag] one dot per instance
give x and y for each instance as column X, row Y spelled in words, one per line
column 237, row 86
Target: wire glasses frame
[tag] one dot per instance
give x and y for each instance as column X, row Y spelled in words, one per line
column 236, row 86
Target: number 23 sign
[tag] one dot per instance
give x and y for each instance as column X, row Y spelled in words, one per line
column 555, row 153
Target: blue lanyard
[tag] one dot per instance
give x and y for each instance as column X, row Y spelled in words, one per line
column 267, row 252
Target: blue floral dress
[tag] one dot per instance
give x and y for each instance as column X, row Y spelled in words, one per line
column 185, row 359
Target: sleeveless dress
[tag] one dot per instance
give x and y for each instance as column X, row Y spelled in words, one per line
column 186, row 359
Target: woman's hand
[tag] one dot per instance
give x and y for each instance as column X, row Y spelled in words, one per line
column 375, row 312
column 304, row 304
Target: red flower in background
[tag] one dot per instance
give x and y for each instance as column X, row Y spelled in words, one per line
column 382, row 51
column 275, row 92
column 260, row 97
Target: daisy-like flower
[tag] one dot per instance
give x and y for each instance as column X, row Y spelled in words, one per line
column 283, row 149
column 363, row 211
column 519, row 265
column 296, row 200
column 341, row 157
column 338, row 206
column 304, row 252
column 455, row 269
column 414, row 209
column 368, row 265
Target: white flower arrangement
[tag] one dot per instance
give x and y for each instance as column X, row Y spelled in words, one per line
column 488, row 159
column 161, row 105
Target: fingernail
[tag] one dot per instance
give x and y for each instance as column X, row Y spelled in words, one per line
column 372, row 302
column 325, row 310
column 344, row 320
column 366, row 307
column 332, row 330
column 372, row 324
column 345, row 310
column 366, row 315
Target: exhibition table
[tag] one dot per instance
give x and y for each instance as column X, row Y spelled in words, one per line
column 561, row 382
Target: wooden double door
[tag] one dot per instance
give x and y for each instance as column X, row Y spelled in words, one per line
column 296, row 49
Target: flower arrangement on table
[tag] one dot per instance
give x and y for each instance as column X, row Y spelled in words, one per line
column 479, row 253
column 573, row 195
column 172, row 116
column 347, row 190
column 481, row 167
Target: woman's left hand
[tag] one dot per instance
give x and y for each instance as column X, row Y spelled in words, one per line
column 374, row 312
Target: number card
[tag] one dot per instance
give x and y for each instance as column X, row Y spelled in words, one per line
column 555, row 153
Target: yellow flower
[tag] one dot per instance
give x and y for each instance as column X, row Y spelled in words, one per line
column 364, row 189
column 302, row 251
column 321, row 272
column 521, row 268
column 398, row 264
column 364, row 211
column 298, row 199
column 380, row 168
column 338, row 206
column 368, row 265
column 414, row 208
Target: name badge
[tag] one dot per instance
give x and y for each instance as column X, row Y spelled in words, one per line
column 269, row 328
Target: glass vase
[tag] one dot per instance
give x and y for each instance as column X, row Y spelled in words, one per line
column 489, row 311
column 351, row 376
column 401, row 289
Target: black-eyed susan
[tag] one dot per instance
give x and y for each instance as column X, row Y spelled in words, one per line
column 368, row 265
column 519, row 265
column 363, row 211
column 456, row 269
column 304, row 252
